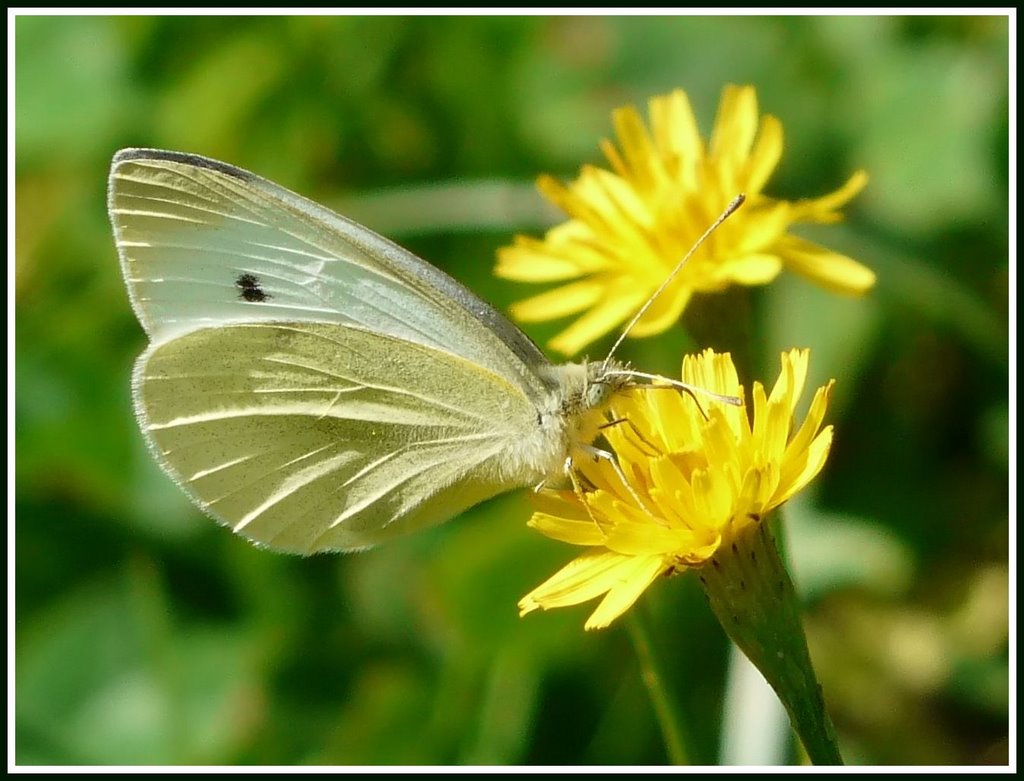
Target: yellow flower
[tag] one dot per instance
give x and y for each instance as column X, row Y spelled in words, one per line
column 695, row 483
column 629, row 227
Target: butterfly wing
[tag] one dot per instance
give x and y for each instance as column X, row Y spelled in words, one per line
column 309, row 383
column 320, row 436
column 203, row 243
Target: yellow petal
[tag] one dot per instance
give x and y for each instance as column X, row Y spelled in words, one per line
column 606, row 316
column 583, row 532
column 823, row 209
column 582, row 579
column 529, row 260
column 633, row 581
column 751, row 269
column 792, row 378
column 631, row 438
column 612, row 509
column 719, row 441
column 752, row 496
column 765, row 156
column 759, row 423
column 637, row 147
column 648, row 539
column 556, row 192
column 617, row 207
column 614, row 158
column 676, row 135
column 816, row 456
column 735, row 124
column 563, row 503
column 812, row 422
column 713, row 497
column 663, row 313
column 562, row 301
column 676, row 419
column 759, row 224
column 712, row 371
column 685, row 511
column 605, row 203
column 833, row 271
column 780, row 418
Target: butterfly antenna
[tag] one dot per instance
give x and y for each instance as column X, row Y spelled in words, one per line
column 733, row 206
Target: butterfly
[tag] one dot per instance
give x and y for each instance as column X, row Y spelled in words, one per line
column 314, row 386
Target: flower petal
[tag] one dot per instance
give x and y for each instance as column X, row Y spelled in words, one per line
column 816, row 455
column 750, row 270
column 823, row 209
column 765, row 156
column 633, row 581
column 735, row 125
column 637, row 147
column 836, row 272
column 764, row 220
column 563, row 503
column 792, row 378
column 562, row 301
column 585, row 577
column 676, row 135
column 665, row 310
column 812, row 422
column 605, row 317
column 646, row 539
column 530, row 260
column 569, row 531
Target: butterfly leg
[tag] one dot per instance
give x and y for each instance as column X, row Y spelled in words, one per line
column 578, row 490
column 651, row 449
column 598, row 454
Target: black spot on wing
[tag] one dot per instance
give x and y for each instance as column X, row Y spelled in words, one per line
column 249, row 288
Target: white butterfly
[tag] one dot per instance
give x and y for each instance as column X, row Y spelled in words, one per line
column 316, row 387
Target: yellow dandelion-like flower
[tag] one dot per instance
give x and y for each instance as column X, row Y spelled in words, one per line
column 697, row 478
column 629, row 227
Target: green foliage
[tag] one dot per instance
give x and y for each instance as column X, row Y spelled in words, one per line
column 147, row 635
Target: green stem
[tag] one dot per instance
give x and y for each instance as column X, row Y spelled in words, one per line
column 753, row 597
column 664, row 709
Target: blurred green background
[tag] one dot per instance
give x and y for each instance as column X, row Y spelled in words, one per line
column 147, row 634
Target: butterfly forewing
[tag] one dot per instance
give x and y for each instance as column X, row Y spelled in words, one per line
column 203, row 244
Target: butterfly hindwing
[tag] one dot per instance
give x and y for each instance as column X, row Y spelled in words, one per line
column 317, row 436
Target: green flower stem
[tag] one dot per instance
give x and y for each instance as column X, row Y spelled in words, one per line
column 664, row 709
column 752, row 595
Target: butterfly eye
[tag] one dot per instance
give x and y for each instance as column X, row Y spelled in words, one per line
column 597, row 393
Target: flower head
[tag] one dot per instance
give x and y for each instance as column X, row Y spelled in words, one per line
column 696, row 477
column 629, row 227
